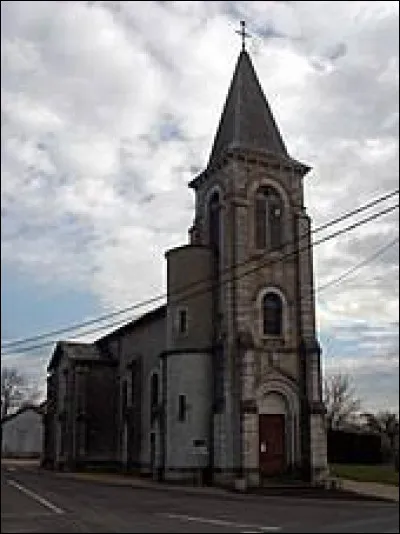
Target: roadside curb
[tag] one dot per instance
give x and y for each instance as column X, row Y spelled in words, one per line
column 221, row 493
column 345, row 489
column 382, row 491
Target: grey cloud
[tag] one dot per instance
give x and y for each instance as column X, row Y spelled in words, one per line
column 108, row 112
column 270, row 32
column 148, row 198
column 326, row 61
column 337, row 51
column 169, row 129
column 358, row 248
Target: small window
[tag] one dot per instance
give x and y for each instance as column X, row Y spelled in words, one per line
column 182, row 408
column 153, row 397
column 124, row 395
column 154, row 390
column 81, row 395
column 133, row 383
column 182, row 322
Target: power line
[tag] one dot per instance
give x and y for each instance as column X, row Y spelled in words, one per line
column 152, row 300
column 361, row 208
column 358, row 266
column 119, row 323
column 82, row 324
column 318, row 242
column 253, row 269
column 199, row 282
column 350, row 271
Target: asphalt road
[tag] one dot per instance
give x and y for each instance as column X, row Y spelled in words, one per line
column 36, row 501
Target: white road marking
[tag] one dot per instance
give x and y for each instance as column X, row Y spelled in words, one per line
column 219, row 522
column 36, row 497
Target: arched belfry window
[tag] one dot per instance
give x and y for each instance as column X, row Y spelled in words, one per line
column 268, row 219
column 272, row 314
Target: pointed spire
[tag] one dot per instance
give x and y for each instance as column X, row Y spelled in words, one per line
column 246, row 120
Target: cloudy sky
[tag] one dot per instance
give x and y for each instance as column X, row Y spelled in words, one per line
column 110, row 108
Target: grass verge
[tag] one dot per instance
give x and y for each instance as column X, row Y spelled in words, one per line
column 383, row 474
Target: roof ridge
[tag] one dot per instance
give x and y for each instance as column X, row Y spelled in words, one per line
column 38, row 408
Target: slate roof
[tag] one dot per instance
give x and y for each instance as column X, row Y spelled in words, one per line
column 247, row 120
column 74, row 351
column 40, row 409
column 153, row 315
column 94, row 351
column 82, row 351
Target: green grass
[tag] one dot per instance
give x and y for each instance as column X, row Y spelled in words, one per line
column 384, row 474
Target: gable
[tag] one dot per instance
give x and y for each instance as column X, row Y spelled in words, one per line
column 23, row 415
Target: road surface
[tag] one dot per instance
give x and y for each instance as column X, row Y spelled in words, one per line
column 37, row 501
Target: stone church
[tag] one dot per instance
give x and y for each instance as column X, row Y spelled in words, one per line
column 225, row 378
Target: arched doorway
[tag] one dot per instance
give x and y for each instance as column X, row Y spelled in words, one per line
column 271, row 435
column 278, row 430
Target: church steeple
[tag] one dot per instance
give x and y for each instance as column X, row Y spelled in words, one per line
column 246, row 120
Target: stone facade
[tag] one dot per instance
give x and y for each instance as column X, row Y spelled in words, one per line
column 225, row 379
column 80, row 423
column 136, row 348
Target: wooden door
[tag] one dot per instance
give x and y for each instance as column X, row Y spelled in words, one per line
column 272, row 444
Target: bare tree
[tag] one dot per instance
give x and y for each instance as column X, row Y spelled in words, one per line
column 15, row 390
column 340, row 400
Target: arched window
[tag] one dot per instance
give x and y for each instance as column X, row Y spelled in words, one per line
column 268, row 219
column 272, row 315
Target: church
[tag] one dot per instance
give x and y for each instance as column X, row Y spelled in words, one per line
column 225, row 378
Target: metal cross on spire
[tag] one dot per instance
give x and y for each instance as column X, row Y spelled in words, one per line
column 242, row 32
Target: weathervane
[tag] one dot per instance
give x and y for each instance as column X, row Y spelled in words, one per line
column 242, row 32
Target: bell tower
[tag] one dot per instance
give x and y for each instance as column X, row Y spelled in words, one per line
column 268, row 416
